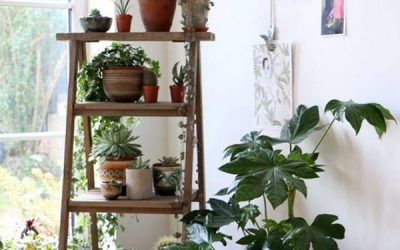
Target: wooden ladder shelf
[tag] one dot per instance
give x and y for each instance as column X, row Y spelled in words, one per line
column 92, row 201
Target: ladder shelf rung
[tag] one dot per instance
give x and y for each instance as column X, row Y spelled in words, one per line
column 130, row 109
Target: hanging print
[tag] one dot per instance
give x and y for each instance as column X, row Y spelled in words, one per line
column 333, row 17
column 273, row 86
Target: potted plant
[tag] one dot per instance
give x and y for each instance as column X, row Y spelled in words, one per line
column 150, row 86
column 115, row 150
column 195, row 14
column 139, row 180
column 157, row 16
column 95, row 22
column 262, row 170
column 178, row 89
column 167, row 175
column 111, row 189
column 124, row 20
column 115, row 74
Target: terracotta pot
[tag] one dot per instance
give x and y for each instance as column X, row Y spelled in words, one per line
column 177, row 93
column 123, row 84
column 198, row 9
column 139, row 184
column 157, row 16
column 111, row 190
column 150, row 94
column 167, row 179
column 124, row 23
column 114, row 170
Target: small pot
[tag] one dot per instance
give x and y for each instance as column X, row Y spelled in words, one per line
column 124, row 23
column 139, row 184
column 177, row 93
column 96, row 24
column 111, row 190
column 157, row 16
column 200, row 14
column 150, row 94
column 123, row 84
column 167, row 179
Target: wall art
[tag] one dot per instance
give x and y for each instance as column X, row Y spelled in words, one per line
column 333, row 17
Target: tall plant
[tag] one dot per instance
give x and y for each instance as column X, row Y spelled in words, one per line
column 262, row 170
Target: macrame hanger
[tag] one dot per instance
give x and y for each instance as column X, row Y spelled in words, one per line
column 271, row 32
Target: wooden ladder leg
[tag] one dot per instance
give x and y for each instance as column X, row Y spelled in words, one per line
column 69, row 146
column 188, row 177
column 90, row 178
column 200, row 136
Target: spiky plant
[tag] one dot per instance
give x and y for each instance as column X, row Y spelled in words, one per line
column 178, row 75
column 169, row 161
column 115, row 144
column 140, row 164
column 122, row 7
column 95, row 13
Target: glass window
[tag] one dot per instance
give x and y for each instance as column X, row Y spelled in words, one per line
column 33, row 72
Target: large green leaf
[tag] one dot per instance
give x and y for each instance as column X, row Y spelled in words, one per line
column 265, row 174
column 321, row 233
column 223, row 214
column 250, row 142
column 375, row 114
column 205, row 237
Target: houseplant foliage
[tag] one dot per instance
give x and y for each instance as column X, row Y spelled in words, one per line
column 178, row 89
column 195, row 14
column 262, row 170
column 90, row 76
column 124, row 20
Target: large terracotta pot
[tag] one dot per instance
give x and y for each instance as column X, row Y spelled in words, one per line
column 123, row 84
column 199, row 10
column 124, row 23
column 157, row 15
column 139, row 184
column 167, row 179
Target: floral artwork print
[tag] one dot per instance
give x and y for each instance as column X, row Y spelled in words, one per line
column 273, row 86
column 333, row 17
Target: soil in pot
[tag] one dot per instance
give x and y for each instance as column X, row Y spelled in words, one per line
column 150, row 94
column 123, row 84
column 139, row 184
column 124, row 23
column 166, row 179
column 177, row 93
column 157, row 16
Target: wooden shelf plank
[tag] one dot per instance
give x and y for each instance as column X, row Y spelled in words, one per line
column 130, row 109
column 134, row 36
column 93, row 201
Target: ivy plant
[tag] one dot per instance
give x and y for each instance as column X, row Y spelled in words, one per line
column 263, row 170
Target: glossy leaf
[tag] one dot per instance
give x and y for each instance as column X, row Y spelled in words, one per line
column 321, row 233
column 375, row 114
column 252, row 141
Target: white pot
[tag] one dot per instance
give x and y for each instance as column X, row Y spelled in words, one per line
column 139, row 184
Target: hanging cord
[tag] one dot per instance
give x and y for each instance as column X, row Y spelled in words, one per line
column 270, row 37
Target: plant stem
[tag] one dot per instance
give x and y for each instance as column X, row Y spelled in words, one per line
column 265, row 207
column 291, row 198
column 324, row 135
column 290, row 147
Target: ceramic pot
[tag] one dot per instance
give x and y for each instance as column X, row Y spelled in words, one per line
column 124, row 23
column 157, row 16
column 111, row 190
column 167, row 179
column 96, row 24
column 150, row 94
column 139, row 184
column 198, row 9
column 123, row 84
column 177, row 93
column 114, row 170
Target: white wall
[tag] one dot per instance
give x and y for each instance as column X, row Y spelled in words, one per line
column 361, row 181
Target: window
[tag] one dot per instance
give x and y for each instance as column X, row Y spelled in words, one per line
column 33, row 72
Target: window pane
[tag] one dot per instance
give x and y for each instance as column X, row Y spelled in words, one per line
column 32, row 99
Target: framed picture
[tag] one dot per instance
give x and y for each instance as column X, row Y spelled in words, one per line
column 333, row 17
column 273, row 87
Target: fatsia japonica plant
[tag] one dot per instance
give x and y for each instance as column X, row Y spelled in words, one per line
column 263, row 170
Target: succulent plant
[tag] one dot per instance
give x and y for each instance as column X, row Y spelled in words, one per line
column 122, row 7
column 115, row 144
column 140, row 164
column 178, row 75
column 169, row 161
column 165, row 242
column 95, row 13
